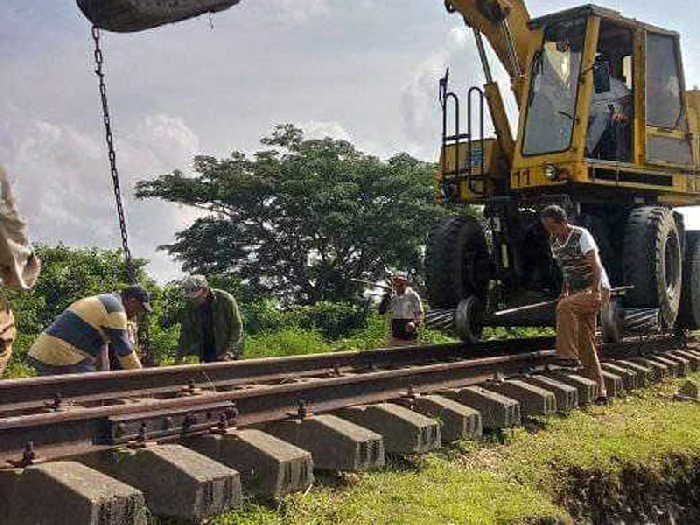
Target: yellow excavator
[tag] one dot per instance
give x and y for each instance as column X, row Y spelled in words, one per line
column 606, row 129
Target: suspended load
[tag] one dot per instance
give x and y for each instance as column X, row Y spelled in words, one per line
column 137, row 15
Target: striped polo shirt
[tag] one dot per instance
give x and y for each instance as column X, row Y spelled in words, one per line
column 80, row 332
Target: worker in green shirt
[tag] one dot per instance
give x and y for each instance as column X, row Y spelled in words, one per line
column 211, row 327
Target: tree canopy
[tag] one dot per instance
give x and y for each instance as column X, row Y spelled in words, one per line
column 300, row 218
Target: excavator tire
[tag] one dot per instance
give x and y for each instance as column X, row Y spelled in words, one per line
column 457, row 262
column 689, row 313
column 652, row 262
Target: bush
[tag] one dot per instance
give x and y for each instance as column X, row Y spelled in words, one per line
column 332, row 320
column 286, row 342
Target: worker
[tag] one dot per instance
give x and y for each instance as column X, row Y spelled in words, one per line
column 211, row 327
column 608, row 123
column 585, row 288
column 19, row 265
column 403, row 304
column 77, row 340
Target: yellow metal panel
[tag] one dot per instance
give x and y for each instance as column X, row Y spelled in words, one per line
column 585, row 91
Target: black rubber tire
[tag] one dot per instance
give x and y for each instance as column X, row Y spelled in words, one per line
column 469, row 320
column 457, row 262
column 652, row 262
column 689, row 313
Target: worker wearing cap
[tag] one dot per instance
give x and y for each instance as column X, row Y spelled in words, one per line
column 211, row 328
column 405, row 311
column 77, row 340
column 586, row 287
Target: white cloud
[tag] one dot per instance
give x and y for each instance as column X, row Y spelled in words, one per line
column 62, row 180
column 314, row 129
column 290, row 12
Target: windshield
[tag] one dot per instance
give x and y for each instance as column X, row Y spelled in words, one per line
column 555, row 72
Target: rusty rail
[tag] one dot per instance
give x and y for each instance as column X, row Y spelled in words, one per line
column 109, row 409
column 26, row 395
column 79, row 430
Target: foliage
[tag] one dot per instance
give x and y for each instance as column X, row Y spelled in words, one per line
column 333, row 320
column 285, row 342
column 301, row 218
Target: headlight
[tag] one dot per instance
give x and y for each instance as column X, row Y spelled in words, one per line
column 551, row 172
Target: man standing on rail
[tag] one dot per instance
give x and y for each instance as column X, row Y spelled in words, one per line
column 586, row 287
column 212, row 327
column 19, row 266
column 76, row 341
column 405, row 309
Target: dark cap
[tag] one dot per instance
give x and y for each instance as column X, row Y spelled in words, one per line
column 140, row 294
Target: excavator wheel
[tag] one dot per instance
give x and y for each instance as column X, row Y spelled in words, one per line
column 612, row 321
column 689, row 313
column 469, row 319
column 652, row 262
column 457, row 262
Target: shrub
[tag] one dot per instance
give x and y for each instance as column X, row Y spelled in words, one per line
column 286, row 342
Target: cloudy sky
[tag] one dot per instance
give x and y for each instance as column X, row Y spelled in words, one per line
column 363, row 70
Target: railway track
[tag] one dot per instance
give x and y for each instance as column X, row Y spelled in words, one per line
column 179, row 440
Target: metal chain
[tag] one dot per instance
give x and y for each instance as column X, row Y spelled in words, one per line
column 143, row 332
column 99, row 59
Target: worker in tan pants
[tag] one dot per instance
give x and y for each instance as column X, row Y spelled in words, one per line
column 7, row 335
column 19, row 266
column 585, row 287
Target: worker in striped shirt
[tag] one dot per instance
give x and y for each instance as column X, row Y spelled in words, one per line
column 78, row 338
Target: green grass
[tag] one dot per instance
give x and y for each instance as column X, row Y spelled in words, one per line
column 529, row 478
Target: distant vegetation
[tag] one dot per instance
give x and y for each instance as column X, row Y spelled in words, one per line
column 69, row 274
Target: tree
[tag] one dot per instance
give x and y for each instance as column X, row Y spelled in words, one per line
column 302, row 217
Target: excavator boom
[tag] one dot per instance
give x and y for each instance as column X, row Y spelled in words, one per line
column 504, row 23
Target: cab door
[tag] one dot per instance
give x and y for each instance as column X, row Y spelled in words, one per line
column 668, row 141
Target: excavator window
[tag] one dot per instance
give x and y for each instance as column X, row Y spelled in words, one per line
column 664, row 103
column 553, row 88
column 611, row 110
column 664, row 108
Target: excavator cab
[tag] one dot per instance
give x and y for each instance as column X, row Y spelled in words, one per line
column 605, row 109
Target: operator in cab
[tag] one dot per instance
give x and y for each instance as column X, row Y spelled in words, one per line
column 586, row 287
column 609, row 121
column 403, row 304
column 78, row 339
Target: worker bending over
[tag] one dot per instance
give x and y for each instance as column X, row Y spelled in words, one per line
column 211, row 328
column 405, row 311
column 77, row 339
column 585, row 288
column 19, row 266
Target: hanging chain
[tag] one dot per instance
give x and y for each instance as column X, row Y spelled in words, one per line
column 143, row 331
column 99, row 59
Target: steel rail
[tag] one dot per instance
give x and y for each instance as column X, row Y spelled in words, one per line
column 25, row 395
column 81, row 430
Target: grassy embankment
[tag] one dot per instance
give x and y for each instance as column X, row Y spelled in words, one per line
column 642, row 454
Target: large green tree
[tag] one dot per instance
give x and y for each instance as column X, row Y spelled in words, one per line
column 301, row 218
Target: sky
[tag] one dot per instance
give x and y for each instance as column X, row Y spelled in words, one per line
column 361, row 70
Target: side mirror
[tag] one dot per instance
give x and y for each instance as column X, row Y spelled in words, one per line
column 601, row 77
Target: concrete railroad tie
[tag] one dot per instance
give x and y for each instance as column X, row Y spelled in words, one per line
column 206, row 475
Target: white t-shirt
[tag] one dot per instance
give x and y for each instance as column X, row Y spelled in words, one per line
column 406, row 306
column 588, row 244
